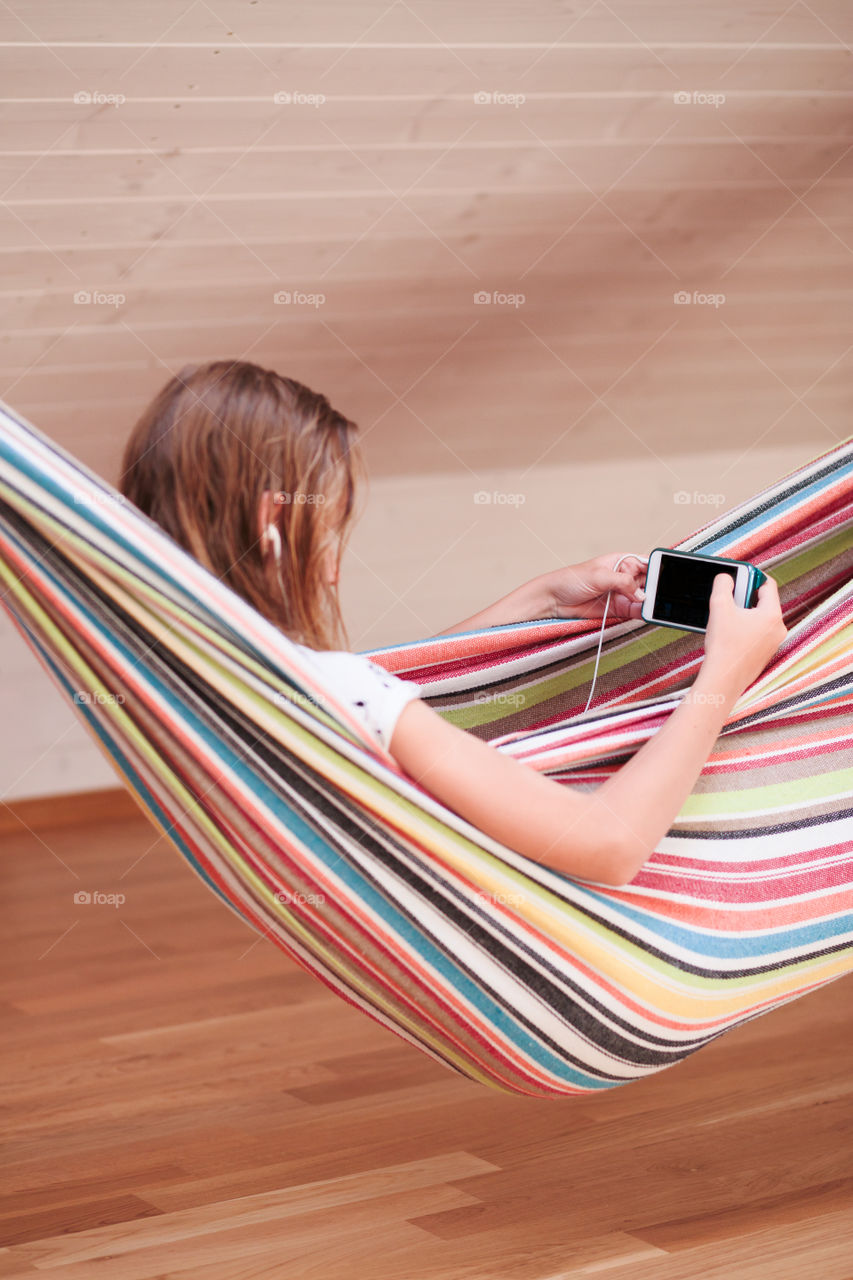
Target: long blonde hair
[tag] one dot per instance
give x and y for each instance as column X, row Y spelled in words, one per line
column 199, row 460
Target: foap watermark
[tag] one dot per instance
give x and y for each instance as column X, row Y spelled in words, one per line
column 293, row 298
column 298, row 498
column 97, row 298
column 704, row 699
column 685, row 299
column 499, row 99
column 495, row 497
column 98, row 699
column 83, row 98
column 512, row 700
column 99, row 499
column 494, row 298
column 83, row 898
column 307, row 701
column 681, row 498
column 506, row 899
column 288, row 898
column 296, row 98
column 698, row 98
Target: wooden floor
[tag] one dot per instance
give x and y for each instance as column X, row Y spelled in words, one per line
column 182, row 1101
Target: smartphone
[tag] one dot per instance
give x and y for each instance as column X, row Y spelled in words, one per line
column 679, row 583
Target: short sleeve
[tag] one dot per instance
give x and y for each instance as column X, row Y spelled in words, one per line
column 374, row 695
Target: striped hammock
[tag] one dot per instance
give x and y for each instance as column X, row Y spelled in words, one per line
column 514, row 975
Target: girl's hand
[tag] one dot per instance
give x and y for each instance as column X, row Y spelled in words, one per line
column 580, row 590
column 740, row 642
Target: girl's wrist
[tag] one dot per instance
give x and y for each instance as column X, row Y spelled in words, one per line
column 536, row 600
column 718, row 683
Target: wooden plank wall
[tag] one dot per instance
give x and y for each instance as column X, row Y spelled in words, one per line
column 586, row 184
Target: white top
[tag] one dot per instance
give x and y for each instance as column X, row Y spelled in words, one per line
column 374, row 695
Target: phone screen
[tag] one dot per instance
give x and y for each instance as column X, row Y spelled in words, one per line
column 684, row 590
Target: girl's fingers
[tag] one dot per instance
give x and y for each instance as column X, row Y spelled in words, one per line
column 628, row 585
column 636, row 566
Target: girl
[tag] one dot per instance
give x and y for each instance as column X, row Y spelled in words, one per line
column 256, row 476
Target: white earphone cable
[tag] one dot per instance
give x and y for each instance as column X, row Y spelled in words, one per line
column 626, row 556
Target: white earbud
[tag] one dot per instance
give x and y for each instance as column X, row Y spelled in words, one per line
column 272, row 538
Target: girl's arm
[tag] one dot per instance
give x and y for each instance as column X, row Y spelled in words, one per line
column 608, row 834
column 577, row 591
column 525, row 604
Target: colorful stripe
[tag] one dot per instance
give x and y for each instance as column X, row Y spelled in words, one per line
column 507, row 972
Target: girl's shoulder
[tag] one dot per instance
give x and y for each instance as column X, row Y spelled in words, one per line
column 375, row 695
